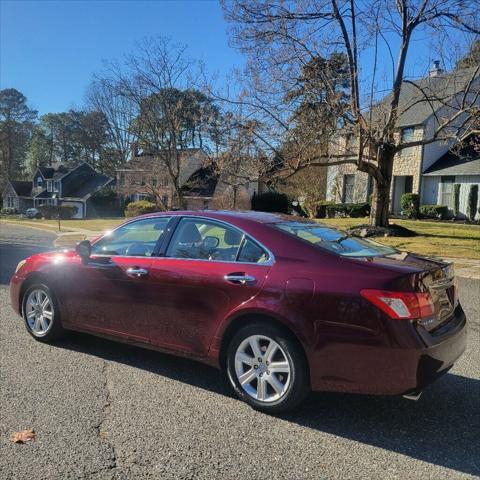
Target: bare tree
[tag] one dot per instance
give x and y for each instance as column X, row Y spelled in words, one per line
column 119, row 111
column 282, row 38
column 170, row 115
column 241, row 163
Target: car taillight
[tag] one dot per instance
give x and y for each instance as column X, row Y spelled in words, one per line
column 401, row 305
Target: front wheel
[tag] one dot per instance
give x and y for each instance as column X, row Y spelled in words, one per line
column 267, row 368
column 41, row 314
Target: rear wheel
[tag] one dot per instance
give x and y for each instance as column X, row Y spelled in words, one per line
column 267, row 368
column 41, row 314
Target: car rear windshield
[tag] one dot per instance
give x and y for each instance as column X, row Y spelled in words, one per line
column 334, row 240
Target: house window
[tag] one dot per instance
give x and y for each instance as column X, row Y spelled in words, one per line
column 39, row 182
column 154, row 182
column 446, row 191
column 11, row 202
column 141, row 196
column 407, row 135
column 348, row 184
column 49, row 185
column 165, row 200
column 164, row 182
column 143, row 181
column 56, row 186
column 351, row 143
column 205, row 204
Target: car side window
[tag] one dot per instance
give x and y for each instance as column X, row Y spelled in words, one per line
column 135, row 239
column 204, row 240
column 252, row 253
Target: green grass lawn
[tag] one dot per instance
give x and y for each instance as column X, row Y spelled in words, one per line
column 94, row 225
column 442, row 239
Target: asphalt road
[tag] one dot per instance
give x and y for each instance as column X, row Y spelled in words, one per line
column 103, row 410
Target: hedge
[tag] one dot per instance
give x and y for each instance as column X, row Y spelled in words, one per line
column 322, row 208
column 8, row 211
column 410, row 204
column 140, row 208
column 270, row 202
column 472, row 202
column 354, row 210
column 66, row 212
column 434, row 211
column 456, row 199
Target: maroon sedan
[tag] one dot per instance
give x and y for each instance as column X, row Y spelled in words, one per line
column 283, row 306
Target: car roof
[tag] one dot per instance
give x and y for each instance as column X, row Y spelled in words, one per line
column 229, row 216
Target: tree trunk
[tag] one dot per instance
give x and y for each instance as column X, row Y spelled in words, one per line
column 381, row 194
column 380, row 205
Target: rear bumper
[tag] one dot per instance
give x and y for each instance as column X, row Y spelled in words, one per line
column 391, row 371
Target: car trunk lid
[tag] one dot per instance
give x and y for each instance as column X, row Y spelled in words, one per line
column 440, row 284
column 423, row 274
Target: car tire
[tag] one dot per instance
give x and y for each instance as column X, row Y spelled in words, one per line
column 267, row 368
column 41, row 313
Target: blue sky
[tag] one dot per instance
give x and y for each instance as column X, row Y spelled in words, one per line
column 50, row 49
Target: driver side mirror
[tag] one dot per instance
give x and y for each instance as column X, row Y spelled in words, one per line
column 84, row 249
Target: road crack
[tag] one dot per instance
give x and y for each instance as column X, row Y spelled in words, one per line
column 106, row 409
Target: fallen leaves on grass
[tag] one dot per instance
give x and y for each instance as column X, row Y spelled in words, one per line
column 23, row 436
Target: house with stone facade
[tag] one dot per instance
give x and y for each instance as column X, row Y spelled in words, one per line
column 414, row 168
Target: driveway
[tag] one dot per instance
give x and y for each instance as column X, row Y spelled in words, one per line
column 103, row 410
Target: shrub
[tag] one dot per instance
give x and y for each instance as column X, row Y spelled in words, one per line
column 410, row 204
column 270, row 202
column 354, row 210
column 322, row 208
column 8, row 211
column 434, row 211
column 66, row 212
column 140, row 208
column 456, row 199
column 472, row 202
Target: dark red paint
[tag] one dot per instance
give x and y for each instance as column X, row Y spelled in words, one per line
column 187, row 307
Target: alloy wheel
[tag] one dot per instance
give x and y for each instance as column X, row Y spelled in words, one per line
column 39, row 312
column 262, row 368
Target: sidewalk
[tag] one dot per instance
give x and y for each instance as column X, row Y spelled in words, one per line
column 466, row 267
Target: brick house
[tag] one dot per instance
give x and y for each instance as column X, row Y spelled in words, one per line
column 418, row 121
column 143, row 175
column 203, row 186
column 57, row 186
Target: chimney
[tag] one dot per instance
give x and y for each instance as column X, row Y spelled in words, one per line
column 435, row 70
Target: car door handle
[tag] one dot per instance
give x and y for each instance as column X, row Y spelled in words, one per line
column 136, row 272
column 238, row 278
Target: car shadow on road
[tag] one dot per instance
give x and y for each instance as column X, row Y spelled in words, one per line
column 442, row 428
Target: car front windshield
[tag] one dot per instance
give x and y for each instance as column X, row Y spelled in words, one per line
column 334, row 240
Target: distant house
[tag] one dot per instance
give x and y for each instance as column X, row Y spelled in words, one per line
column 144, row 176
column 413, row 168
column 203, row 186
column 458, row 166
column 57, row 186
